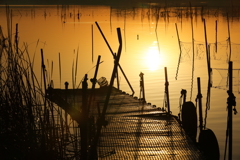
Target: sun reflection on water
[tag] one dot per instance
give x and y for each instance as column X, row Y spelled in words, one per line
column 153, row 58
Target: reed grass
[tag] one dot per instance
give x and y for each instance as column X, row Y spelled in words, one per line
column 31, row 126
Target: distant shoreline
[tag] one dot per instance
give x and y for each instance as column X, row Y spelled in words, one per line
column 127, row 3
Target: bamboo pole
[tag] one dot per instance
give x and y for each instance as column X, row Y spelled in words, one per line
column 166, row 89
column 94, row 80
column 114, row 71
column 208, row 88
column 229, row 38
column 66, row 115
column 111, row 19
column 84, row 124
column 180, row 48
column 216, row 36
column 118, row 82
column 193, row 56
column 114, row 57
column 207, row 49
column 199, row 97
column 142, row 89
column 92, row 44
column 60, row 69
column 125, row 41
column 102, row 121
column 230, row 104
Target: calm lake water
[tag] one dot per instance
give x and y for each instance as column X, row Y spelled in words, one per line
column 150, row 43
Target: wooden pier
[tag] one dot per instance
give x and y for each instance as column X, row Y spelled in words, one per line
column 133, row 129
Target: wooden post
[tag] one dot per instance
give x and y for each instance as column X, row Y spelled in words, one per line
column 94, row 80
column 118, row 83
column 142, row 90
column 66, row 99
column 101, row 121
column 84, row 124
column 166, row 90
column 184, row 93
column 230, row 104
column 113, row 73
column 199, row 97
column 115, row 56
column 207, row 49
column 216, row 37
column 229, row 37
column 180, row 48
column 116, row 76
column 92, row 44
column 193, row 54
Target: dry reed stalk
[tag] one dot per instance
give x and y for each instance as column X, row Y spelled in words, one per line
column 29, row 122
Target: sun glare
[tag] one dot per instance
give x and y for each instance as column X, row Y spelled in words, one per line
column 153, row 58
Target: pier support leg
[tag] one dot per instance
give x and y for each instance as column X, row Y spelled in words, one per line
column 84, row 124
column 142, row 90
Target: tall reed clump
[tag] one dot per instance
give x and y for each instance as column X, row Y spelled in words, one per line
column 31, row 127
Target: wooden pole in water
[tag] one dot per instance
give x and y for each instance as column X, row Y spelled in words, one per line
column 84, row 124
column 230, row 111
column 111, row 19
column 230, row 47
column 92, row 45
column 184, row 93
column 66, row 116
column 115, row 56
column 216, row 37
column 94, row 81
column 180, row 48
column 129, row 84
column 60, row 69
column 104, row 39
column 207, row 50
column 199, row 97
column 96, row 71
column 206, row 43
column 142, row 90
column 114, row 71
column 101, row 121
column 193, row 56
column 125, row 41
column 118, row 82
column 166, row 89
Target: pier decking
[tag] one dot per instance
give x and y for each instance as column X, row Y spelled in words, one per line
column 135, row 130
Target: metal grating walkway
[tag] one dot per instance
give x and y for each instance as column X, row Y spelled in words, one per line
column 139, row 131
column 136, row 130
column 145, row 138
